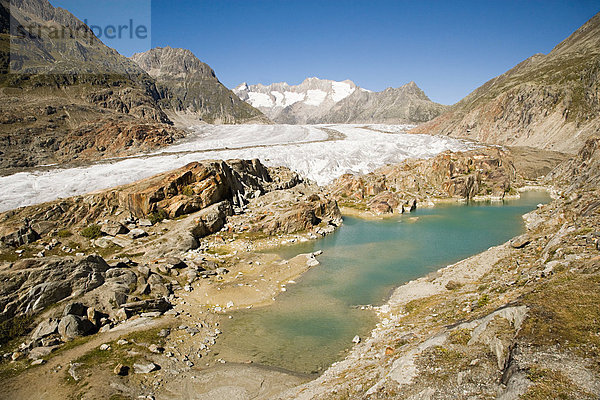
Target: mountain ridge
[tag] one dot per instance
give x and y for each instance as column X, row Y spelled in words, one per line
column 316, row 101
column 549, row 101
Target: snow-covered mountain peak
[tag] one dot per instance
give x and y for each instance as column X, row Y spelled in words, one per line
column 309, row 99
column 317, row 100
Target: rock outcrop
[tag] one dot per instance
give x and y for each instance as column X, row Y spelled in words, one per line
column 30, row 285
column 169, row 195
column 399, row 188
column 547, row 101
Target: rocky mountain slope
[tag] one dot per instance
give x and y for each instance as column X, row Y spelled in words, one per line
column 65, row 97
column 189, row 88
column 407, row 104
column 69, row 97
column 548, row 101
column 317, row 101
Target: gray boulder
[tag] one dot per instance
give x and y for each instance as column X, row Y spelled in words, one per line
column 72, row 326
column 113, row 228
column 45, row 328
column 31, row 285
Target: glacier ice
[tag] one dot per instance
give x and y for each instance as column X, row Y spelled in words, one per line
column 311, row 150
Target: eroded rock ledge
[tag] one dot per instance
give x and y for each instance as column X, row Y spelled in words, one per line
column 486, row 172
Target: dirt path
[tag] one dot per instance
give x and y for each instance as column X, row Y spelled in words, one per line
column 48, row 381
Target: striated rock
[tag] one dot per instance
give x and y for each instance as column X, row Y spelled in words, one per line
column 520, row 241
column 31, row 285
column 72, row 326
column 113, row 228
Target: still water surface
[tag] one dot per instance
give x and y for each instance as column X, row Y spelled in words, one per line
column 312, row 324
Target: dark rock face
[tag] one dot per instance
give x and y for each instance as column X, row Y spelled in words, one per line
column 31, row 285
column 77, row 309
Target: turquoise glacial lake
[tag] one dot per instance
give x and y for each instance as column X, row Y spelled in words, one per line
column 312, row 324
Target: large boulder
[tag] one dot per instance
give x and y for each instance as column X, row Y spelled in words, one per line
column 113, row 228
column 45, row 328
column 31, row 285
column 19, row 237
column 72, row 326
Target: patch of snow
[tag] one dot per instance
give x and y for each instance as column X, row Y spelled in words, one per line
column 241, row 87
column 303, row 148
column 293, row 97
column 260, row 99
column 341, row 90
column 315, row 97
column 279, row 98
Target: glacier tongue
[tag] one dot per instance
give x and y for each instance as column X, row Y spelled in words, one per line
column 318, row 152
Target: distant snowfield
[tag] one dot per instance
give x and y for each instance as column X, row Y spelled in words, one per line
column 318, row 152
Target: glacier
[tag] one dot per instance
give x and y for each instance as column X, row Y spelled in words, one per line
column 317, row 152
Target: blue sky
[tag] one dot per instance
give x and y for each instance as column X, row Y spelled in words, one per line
column 447, row 47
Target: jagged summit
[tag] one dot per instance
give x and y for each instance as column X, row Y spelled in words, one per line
column 161, row 61
column 326, row 101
